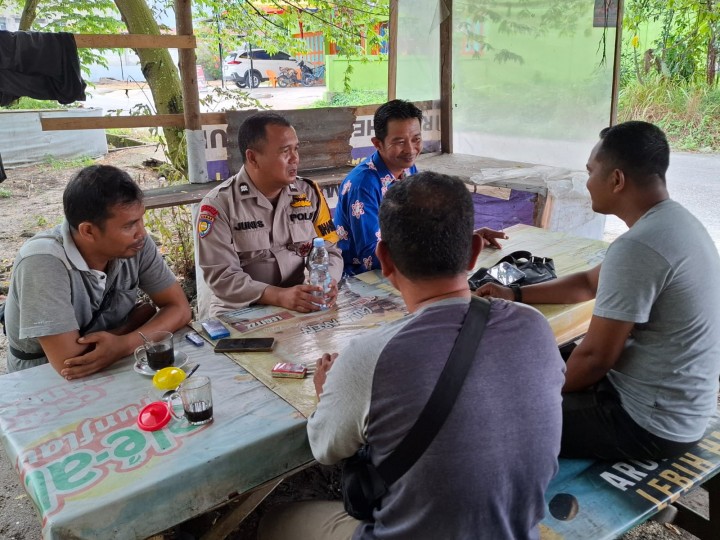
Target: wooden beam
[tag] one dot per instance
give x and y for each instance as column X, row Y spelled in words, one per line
column 113, row 122
column 616, row 65
column 188, row 71
column 446, row 79
column 196, row 163
column 133, row 41
column 392, row 47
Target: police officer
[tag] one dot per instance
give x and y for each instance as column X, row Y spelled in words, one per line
column 254, row 229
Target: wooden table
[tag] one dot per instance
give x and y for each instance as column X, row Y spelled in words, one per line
column 571, row 254
column 93, row 474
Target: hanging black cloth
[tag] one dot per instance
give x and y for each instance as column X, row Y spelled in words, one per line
column 39, row 65
column 3, row 176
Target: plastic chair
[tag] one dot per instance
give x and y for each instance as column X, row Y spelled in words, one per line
column 272, row 76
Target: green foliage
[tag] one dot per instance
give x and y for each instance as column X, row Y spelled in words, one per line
column 208, row 56
column 223, row 99
column 518, row 17
column 174, row 226
column 351, row 99
column 349, row 24
column 688, row 41
column 5, row 193
column 689, row 113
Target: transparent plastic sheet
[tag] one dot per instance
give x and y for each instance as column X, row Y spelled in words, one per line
column 418, row 49
column 530, row 83
column 364, row 302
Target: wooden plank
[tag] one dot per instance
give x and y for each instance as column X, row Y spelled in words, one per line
column 616, row 65
column 244, row 506
column 324, row 148
column 110, row 122
column 176, row 195
column 188, row 72
column 446, row 93
column 392, row 48
column 134, row 41
column 180, row 194
column 194, row 137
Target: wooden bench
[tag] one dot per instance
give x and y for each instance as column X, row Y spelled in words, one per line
column 598, row 500
column 333, row 139
column 326, row 153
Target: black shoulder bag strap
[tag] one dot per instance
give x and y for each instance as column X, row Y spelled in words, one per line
column 443, row 396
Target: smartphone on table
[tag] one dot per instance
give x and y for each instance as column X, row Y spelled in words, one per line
column 244, row 345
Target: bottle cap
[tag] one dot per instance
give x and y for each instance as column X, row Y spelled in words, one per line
column 154, row 416
column 318, row 242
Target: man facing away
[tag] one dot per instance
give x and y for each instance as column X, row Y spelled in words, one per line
column 73, row 293
column 255, row 228
column 486, row 471
column 643, row 383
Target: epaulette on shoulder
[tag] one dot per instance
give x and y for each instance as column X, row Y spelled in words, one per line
column 311, row 182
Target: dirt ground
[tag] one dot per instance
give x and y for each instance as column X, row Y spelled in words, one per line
column 31, row 201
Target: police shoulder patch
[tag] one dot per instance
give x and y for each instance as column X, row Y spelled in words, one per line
column 205, row 224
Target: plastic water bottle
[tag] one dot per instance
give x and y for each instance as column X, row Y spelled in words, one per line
column 318, row 263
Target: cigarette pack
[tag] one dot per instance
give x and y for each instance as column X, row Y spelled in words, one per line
column 215, row 329
column 193, row 338
column 286, row 369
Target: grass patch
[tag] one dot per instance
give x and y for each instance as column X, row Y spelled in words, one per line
column 141, row 134
column 62, row 164
column 352, row 99
column 688, row 113
column 35, row 104
column 5, row 193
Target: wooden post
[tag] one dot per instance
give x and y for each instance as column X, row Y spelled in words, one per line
column 392, row 47
column 616, row 64
column 197, row 166
column 446, row 94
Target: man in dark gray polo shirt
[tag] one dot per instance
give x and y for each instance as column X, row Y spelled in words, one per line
column 485, row 473
column 73, row 293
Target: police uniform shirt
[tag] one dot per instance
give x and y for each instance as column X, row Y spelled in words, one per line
column 245, row 243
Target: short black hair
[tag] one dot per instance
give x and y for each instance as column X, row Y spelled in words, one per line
column 427, row 223
column 92, row 192
column 396, row 109
column 637, row 148
column 252, row 130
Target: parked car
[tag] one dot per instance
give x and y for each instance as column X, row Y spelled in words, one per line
column 236, row 66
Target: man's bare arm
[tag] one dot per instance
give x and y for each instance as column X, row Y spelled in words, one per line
column 578, row 287
column 597, row 353
column 101, row 349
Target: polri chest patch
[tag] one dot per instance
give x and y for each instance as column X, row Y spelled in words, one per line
column 300, row 201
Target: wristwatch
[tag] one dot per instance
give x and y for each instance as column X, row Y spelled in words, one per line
column 517, row 291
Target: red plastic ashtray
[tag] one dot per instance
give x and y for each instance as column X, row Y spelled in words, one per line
column 154, row 416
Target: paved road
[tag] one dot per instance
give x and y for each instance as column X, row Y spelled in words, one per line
column 694, row 181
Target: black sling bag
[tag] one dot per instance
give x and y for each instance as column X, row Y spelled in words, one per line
column 363, row 484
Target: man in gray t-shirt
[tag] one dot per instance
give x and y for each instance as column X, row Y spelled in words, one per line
column 643, row 383
column 73, row 292
column 485, row 472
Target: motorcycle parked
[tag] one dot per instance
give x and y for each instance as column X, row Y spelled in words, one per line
column 303, row 74
column 310, row 75
column 289, row 77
